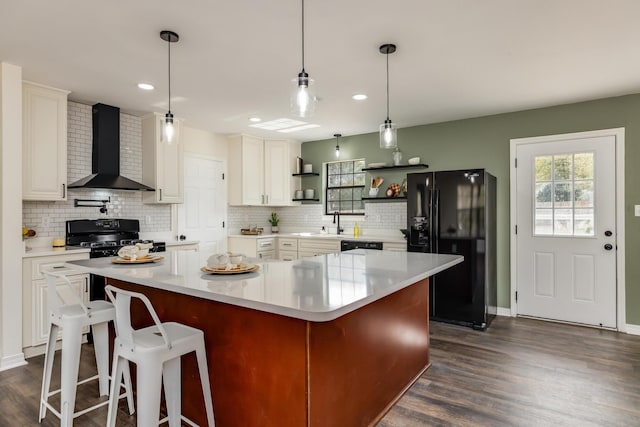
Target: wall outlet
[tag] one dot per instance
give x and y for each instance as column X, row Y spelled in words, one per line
column 637, row 210
column 45, row 221
column 147, row 219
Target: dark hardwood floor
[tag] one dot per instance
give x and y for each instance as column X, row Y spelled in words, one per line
column 520, row 372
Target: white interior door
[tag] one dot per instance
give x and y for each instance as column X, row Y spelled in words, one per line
column 566, row 230
column 203, row 214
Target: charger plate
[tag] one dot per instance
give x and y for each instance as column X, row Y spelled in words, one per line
column 145, row 260
column 241, row 268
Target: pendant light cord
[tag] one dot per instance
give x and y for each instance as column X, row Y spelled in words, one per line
column 387, row 84
column 303, row 35
column 169, row 44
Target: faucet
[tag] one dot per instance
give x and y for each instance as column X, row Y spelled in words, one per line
column 337, row 213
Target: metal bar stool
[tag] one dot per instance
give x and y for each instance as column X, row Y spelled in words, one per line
column 156, row 351
column 71, row 314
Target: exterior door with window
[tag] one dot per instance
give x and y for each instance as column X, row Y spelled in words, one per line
column 566, row 230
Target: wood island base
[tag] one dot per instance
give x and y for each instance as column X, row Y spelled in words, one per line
column 272, row 370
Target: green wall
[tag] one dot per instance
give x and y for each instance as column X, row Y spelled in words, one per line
column 484, row 143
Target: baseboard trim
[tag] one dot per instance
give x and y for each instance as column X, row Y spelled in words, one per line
column 632, row 329
column 502, row 311
column 13, row 361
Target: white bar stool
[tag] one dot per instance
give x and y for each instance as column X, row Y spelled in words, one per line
column 71, row 314
column 156, row 351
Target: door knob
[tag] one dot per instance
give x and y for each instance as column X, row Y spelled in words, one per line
column 608, row 246
column 608, row 233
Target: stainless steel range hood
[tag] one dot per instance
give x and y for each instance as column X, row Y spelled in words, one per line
column 105, row 165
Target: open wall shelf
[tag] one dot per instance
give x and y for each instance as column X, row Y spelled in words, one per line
column 418, row 166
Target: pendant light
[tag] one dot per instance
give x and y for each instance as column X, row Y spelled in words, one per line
column 169, row 131
column 303, row 99
column 388, row 130
column 337, row 135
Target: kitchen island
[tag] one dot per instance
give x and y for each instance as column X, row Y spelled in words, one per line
column 332, row 340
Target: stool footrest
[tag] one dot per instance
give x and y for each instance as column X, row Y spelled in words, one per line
column 51, row 393
column 183, row 418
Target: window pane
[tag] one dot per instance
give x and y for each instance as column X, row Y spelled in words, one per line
column 358, row 206
column 359, row 179
column 334, row 180
column 358, row 165
column 357, row 193
column 333, row 168
column 543, row 222
column 563, row 197
column 333, row 206
column 562, row 167
column 584, row 222
column 346, row 194
column 583, row 165
column 563, row 222
column 333, row 195
column 346, row 206
column 543, row 195
column 346, row 180
column 543, row 168
column 584, row 194
column 346, row 167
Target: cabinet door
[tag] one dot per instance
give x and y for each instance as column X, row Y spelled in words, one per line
column 252, row 171
column 277, row 173
column 44, row 136
column 40, row 321
column 162, row 163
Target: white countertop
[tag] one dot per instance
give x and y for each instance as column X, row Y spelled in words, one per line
column 318, row 289
column 48, row 251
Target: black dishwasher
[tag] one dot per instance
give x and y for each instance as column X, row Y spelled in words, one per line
column 347, row 245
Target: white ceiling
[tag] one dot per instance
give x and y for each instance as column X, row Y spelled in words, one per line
column 236, row 58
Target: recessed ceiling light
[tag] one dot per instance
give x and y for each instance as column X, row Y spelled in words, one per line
column 146, row 86
column 255, row 119
column 359, row 97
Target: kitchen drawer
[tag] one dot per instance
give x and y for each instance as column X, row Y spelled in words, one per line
column 394, row 246
column 286, row 244
column 268, row 254
column 265, row 244
column 319, row 246
column 288, row 255
column 56, row 264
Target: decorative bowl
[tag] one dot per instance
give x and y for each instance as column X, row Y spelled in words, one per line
column 414, row 160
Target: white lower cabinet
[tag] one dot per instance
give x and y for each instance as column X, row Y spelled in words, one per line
column 35, row 312
column 254, row 247
column 287, row 248
column 313, row 247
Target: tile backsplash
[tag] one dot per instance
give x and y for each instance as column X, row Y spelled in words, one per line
column 389, row 216
column 48, row 218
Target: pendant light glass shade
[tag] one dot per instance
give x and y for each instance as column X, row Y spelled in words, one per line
column 169, row 130
column 337, row 135
column 388, row 129
column 388, row 135
column 303, row 98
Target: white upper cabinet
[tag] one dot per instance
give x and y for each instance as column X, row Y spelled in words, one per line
column 260, row 171
column 44, row 142
column 162, row 163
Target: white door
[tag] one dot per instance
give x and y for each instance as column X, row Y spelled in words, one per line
column 566, row 230
column 203, row 214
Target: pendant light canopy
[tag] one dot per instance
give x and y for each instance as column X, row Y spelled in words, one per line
column 388, row 129
column 337, row 135
column 169, row 131
column 303, row 99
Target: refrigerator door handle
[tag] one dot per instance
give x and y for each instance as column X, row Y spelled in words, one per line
column 434, row 201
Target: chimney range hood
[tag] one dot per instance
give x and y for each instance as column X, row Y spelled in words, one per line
column 105, row 165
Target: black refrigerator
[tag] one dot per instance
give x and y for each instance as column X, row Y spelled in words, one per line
column 454, row 212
